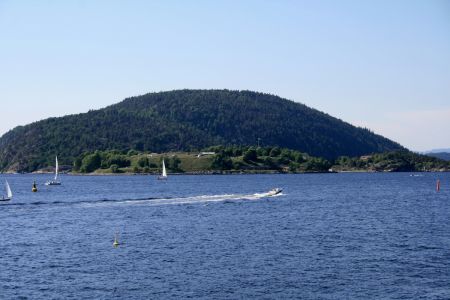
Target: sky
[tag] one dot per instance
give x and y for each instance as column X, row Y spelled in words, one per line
column 384, row 65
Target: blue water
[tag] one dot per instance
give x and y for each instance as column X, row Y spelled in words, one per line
column 328, row 236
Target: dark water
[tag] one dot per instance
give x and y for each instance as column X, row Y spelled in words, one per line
column 329, row 236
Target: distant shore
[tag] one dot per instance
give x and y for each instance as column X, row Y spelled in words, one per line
column 219, row 172
column 236, row 160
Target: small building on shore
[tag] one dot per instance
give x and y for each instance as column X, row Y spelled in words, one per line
column 205, row 153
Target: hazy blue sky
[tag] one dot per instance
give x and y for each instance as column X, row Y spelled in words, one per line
column 384, row 65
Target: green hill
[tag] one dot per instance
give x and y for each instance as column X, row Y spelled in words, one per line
column 186, row 120
column 440, row 155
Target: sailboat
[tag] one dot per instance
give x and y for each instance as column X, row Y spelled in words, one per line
column 8, row 192
column 116, row 241
column 55, row 180
column 164, row 172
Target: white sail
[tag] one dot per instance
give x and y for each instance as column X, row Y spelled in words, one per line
column 56, row 169
column 55, row 180
column 8, row 190
column 164, row 173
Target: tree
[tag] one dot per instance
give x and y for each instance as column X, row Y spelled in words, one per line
column 261, row 151
column 268, row 161
column 275, row 152
column 317, row 164
column 250, row 155
column 114, row 168
column 285, row 156
column 120, row 160
column 143, row 162
column 133, row 152
column 174, row 163
column 222, row 162
column 77, row 164
column 298, row 157
column 91, row 162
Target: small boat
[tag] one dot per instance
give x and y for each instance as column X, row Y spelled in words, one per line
column 34, row 188
column 163, row 176
column 274, row 191
column 55, row 180
column 8, row 192
column 116, row 241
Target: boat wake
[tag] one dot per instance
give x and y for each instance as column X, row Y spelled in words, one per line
column 153, row 201
column 201, row 199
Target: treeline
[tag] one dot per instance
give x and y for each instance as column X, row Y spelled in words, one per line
column 266, row 158
column 396, row 161
column 251, row 159
column 231, row 158
column 116, row 161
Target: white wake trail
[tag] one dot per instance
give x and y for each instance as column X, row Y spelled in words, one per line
column 184, row 200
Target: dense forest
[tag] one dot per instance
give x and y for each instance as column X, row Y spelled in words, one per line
column 250, row 159
column 187, row 120
column 396, row 161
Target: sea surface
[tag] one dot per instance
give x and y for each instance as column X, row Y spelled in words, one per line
column 327, row 236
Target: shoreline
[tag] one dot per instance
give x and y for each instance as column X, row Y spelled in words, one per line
column 272, row 172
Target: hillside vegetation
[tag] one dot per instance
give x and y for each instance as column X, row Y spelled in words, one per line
column 396, row 161
column 234, row 159
column 187, row 120
column 230, row 159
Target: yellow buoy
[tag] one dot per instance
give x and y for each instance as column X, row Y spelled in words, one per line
column 34, row 188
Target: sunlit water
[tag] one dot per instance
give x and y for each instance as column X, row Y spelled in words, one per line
column 328, row 236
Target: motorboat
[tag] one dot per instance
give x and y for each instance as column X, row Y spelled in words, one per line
column 274, row 191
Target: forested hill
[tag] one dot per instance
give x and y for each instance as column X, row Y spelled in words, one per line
column 187, row 120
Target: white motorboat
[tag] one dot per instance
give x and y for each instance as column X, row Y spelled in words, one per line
column 274, row 191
